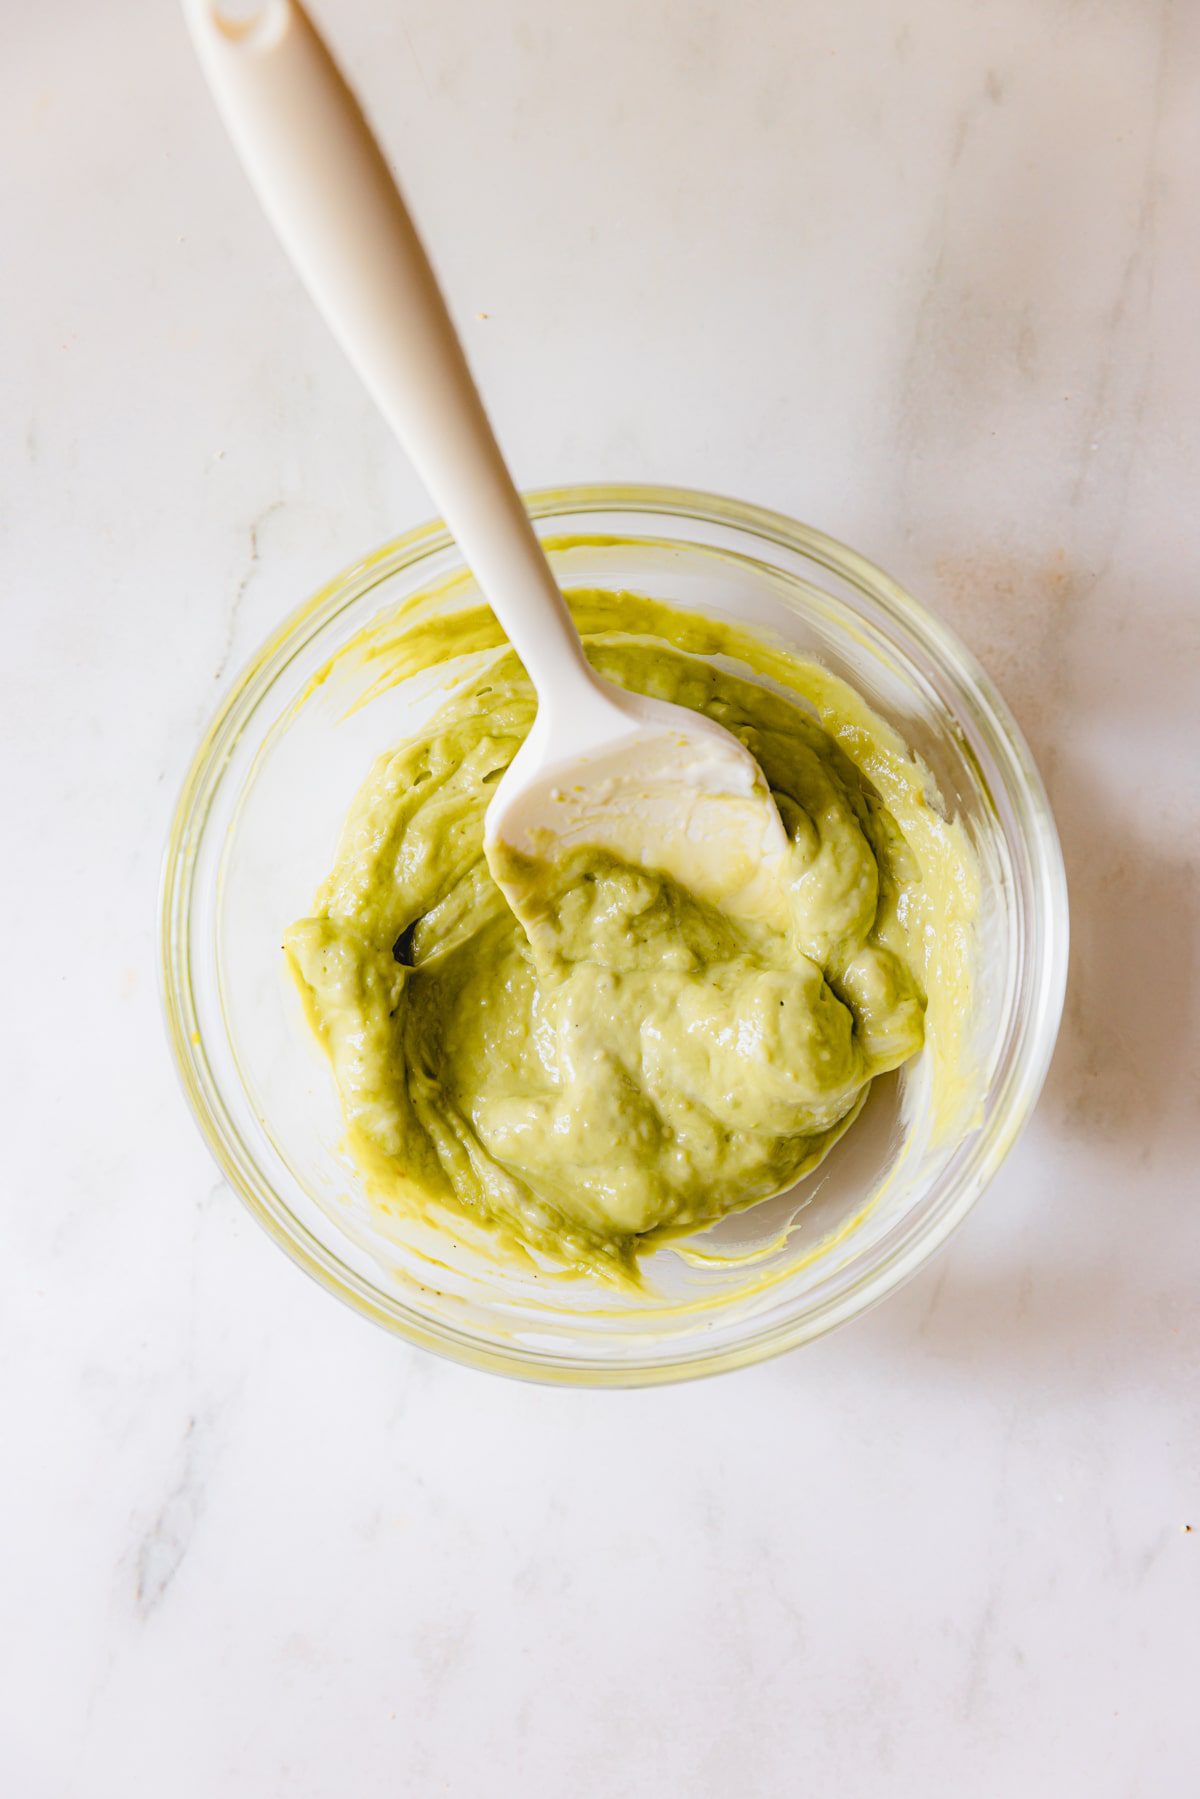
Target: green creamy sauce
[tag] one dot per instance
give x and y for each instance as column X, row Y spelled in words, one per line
column 652, row 1065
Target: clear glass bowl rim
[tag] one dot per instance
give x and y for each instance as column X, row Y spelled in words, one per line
column 864, row 1287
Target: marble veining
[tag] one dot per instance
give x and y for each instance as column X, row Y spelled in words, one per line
column 257, row 526
column 925, row 280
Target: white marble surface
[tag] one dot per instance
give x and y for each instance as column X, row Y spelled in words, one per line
column 924, row 275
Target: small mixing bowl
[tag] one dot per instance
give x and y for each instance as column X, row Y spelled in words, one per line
column 254, row 835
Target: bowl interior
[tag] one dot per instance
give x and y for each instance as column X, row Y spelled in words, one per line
column 255, row 836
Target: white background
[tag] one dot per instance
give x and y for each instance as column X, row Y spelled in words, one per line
column 924, row 275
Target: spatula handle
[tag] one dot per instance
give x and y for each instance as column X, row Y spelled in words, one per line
column 323, row 182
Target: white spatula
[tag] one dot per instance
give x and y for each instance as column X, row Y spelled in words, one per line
column 654, row 784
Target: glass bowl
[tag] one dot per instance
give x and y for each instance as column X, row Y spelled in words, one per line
column 254, row 835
